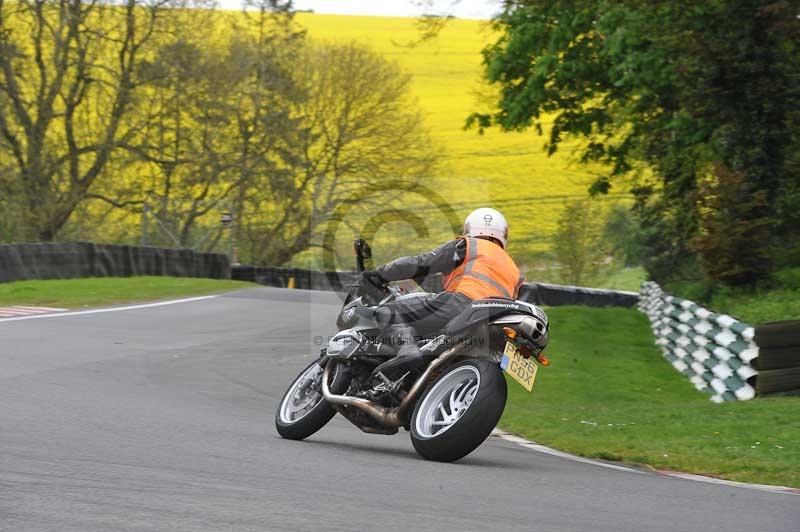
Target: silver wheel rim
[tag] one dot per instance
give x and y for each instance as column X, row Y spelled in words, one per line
column 303, row 396
column 447, row 402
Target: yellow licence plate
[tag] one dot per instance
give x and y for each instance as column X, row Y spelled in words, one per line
column 521, row 369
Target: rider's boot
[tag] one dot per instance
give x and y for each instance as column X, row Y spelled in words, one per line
column 408, row 358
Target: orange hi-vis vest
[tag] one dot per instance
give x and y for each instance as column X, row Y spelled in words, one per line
column 487, row 271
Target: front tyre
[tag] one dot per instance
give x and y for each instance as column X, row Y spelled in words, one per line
column 459, row 410
column 303, row 410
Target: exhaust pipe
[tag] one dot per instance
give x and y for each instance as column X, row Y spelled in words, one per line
column 388, row 417
column 381, row 414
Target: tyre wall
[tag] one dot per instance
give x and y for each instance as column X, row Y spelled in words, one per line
column 716, row 352
column 84, row 259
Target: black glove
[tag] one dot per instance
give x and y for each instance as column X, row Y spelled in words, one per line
column 371, row 285
column 371, row 279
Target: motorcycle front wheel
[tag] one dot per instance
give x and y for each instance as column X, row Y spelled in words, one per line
column 459, row 410
column 303, row 410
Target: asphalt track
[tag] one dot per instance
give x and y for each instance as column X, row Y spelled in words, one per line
column 162, row 419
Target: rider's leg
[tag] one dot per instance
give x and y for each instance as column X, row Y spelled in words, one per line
column 409, row 356
column 403, row 320
column 432, row 314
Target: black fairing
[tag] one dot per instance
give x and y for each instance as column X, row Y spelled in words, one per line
column 483, row 310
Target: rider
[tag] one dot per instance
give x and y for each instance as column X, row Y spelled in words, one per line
column 474, row 266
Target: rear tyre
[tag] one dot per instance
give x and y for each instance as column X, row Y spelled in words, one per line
column 303, row 410
column 459, row 410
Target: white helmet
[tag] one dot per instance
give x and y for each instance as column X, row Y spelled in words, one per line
column 487, row 222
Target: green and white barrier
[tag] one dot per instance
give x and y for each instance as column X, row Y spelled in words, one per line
column 715, row 351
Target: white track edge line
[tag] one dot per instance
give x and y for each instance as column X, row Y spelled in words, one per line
column 561, row 454
column 522, row 442
column 111, row 309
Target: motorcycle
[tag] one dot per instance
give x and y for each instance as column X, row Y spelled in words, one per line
column 449, row 408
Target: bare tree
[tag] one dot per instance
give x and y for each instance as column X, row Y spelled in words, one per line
column 280, row 129
column 221, row 117
column 68, row 81
column 182, row 155
column 268, row 132
column 359, row 127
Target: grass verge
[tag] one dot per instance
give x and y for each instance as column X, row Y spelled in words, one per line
column 96, row 291
column 624, row 279
column 609, row 394
column 774, row 299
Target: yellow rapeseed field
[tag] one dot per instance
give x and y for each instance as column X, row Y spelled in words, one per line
column 510, row 171
column 507, row 170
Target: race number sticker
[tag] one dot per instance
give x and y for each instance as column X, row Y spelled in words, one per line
column 521, row 369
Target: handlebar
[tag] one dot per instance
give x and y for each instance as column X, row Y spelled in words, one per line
column 363, row 254
column 393, row 293
column 371, row 296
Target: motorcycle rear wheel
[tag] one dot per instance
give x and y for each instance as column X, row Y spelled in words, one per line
column 459, row 410
column 302, row 412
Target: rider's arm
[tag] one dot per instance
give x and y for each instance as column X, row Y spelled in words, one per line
column 443, row 259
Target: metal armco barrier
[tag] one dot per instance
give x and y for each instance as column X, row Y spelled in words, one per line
column 716, row 352
column 281, row 277
column 537, row 293
column 778, row 362
column 84, row 259
column 555, row 295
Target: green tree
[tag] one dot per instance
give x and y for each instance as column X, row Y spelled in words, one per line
column 731, row 221
column 623, row 234
column 674, row 86
column 577, row 243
